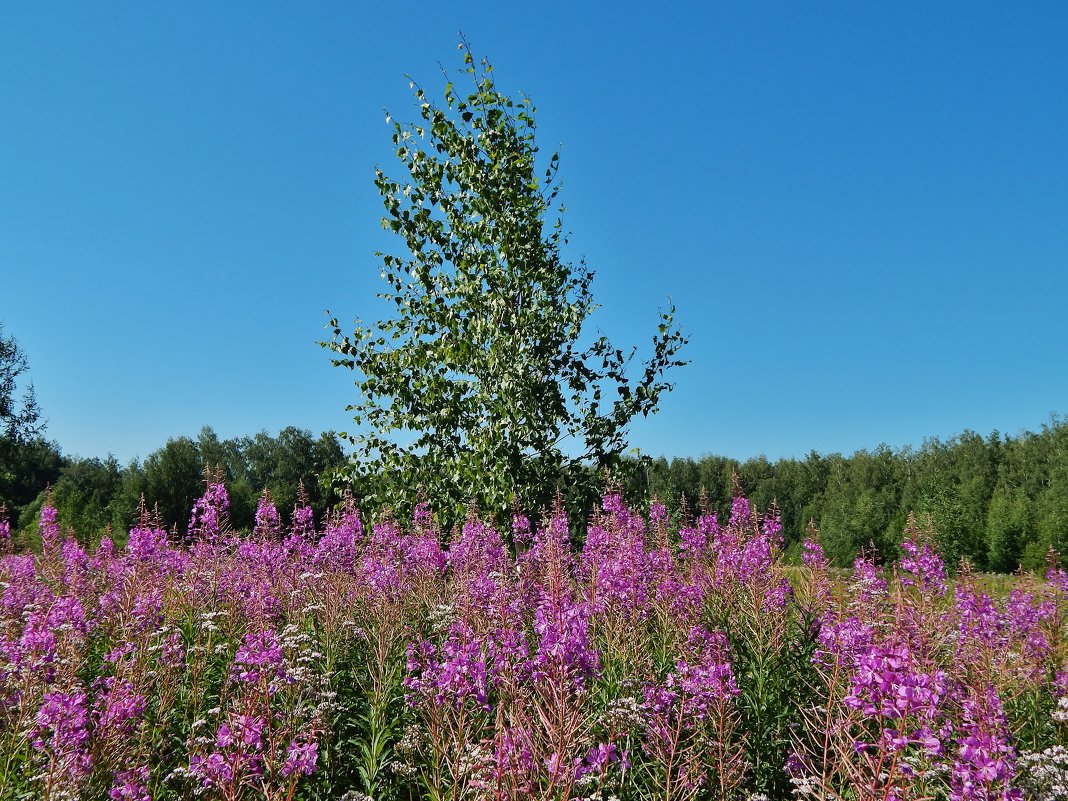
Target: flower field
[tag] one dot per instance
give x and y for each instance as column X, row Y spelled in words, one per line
column 655, row 661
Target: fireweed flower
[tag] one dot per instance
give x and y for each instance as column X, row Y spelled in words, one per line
column 705, row 676
column 708, row 525
column 620, row 574
column 598, row 759
column 238, row 752
column 756, row 557
column 302, row 756
column 118, row 708
column 209, row 513
column 36, row 652
column 478, row 549
column 812, row 555
column 147, row 611
column 612, row 503
column 564, row 648
column 130, row 785
column 268, row 524
column 5, row 531
column 867, row 585
column 771, row 527
column 842, row 640
column 48, row 527
column 815, row 590
column 692, row 541
column 342, row 536
column 249, row 732
column 517, row 634
column 62, row 730
column 24, row 591
column 259, row 656
column 921, row 565
column 67, row 614
column 984, row 763
column 727, row 547
column 146, row 543
column 512, row 759
column 521, row 530
column 888, row 687
column 103, row 555
column 658, row 513
column 303, row 522
column 777, row 595
column 1027, row 618
column 214, row 770
column 679, row 711
column 452, row 675
column 686, row 599
column 423, row 554
column 741, row 515
column 550, row 556
column 982, row 626
column 493, row 607
column 382, row 566
column 171, row 650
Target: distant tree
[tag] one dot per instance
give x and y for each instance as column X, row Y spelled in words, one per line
column 1000, row 502
column 83, row 495
column 687, row 480
column 715, row 479
column 658, row 481
column 1051, row 504
column 19, row 420
column 478, row 389
column 860, row 505
column 173, row 478
column 1009, row 528
column 27, row 467
column 758, row 478
column 228, row 457
column 28, row 463
column 281, row 464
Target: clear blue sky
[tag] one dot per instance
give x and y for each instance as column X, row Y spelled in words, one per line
column 860, row 210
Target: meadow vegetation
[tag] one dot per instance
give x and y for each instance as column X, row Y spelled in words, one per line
column 652, row 661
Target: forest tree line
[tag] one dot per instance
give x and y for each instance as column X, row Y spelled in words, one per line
column 999, row 501
column 92, row 494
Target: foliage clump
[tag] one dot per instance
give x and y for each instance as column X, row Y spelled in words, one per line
column 479, row 387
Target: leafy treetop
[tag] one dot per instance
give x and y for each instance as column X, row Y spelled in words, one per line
column 477, row 388
column 18, row 420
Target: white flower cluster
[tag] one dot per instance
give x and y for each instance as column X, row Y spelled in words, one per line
column 1060, row 714
column 807, row 787
column 408, row 749
column 1044, row 774
column 440, row 618
column 622, row 714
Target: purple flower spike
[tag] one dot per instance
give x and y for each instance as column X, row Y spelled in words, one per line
column 48, row 527
column 209, row 513
column 301, row 758
column 268, row 524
